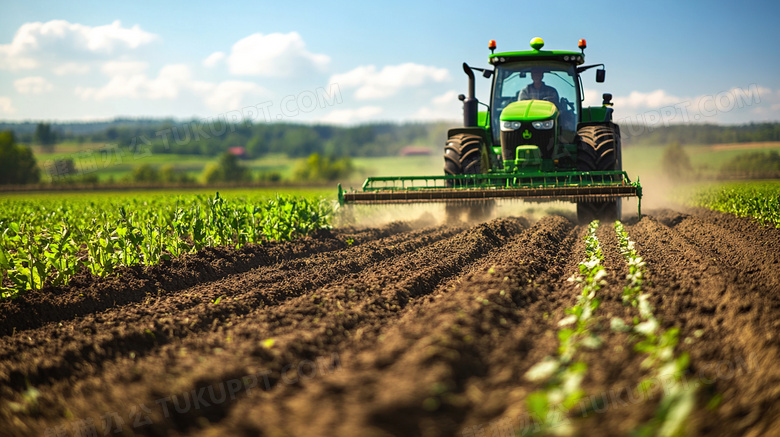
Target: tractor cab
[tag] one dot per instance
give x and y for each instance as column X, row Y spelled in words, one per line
column 536, row 100
column 553, row 82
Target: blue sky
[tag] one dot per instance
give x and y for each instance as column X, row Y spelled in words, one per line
column 353, row 62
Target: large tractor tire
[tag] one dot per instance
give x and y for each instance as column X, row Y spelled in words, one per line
column 462, row 155
column 465, row 154
column 598, row 150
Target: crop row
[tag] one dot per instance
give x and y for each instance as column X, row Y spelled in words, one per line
column 562, row 374
column 48, row 242
column 658, row 345
column 760, row 200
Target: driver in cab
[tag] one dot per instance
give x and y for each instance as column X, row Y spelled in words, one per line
column 538, row 90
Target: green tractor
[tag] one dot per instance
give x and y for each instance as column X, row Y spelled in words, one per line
column 534, row 141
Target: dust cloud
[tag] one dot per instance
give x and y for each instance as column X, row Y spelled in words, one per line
column 430, row 214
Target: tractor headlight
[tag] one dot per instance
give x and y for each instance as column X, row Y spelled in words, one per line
column 543, row 125
column 510, row 125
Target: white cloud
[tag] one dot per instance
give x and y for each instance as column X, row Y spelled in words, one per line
column 592, row 97
column 114, row 68
column 275, row 54
column 70, row 68
column 442, row 107
column 229, row 95
column 58, row 40
column 119, row 86
column 737, row 104
column 32, row 85
column 448, row 98
column 350, row 116
column 127, row 81
column 653, row 99
column 372, row 83
column 214, row 59
column 6, row 107
column 169, row 82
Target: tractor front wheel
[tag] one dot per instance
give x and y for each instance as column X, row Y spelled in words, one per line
column 462, row 156
column 597, row 150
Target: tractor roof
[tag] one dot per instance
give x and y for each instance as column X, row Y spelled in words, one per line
column 536, row 54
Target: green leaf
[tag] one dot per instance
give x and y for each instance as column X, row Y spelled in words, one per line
column 542, row 370
column 538, row 405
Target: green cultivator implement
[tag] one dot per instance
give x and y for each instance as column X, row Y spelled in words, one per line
column 534, row 141
column 573, row 186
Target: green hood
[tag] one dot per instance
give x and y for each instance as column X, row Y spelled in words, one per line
column 529, row 110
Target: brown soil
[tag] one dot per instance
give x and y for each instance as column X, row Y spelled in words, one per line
column 408, row 329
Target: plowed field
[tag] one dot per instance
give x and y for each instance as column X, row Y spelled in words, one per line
column 413, row 328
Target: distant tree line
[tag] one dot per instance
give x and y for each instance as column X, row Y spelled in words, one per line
column 214, row 137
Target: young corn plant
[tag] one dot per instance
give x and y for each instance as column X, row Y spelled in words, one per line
column 678, row 400
column 27, row 267
column 636, row 266
column 562, row 375
column 61, row 256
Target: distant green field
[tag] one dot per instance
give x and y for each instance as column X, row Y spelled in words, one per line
column 645, row 161
column 642, row 161
column 109, row 164
column 400, row 165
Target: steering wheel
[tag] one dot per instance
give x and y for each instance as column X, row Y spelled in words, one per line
column 565, row 102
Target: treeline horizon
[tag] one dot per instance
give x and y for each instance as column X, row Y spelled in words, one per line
column 212, row 137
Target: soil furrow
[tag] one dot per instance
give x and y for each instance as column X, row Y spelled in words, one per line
column 86, row 294
column 301, row 326
column 445, row 344
column 395, row 331
column 48, row 355
column 729, row 326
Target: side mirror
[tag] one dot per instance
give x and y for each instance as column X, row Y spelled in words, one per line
column 600, row 75
column 487, row 73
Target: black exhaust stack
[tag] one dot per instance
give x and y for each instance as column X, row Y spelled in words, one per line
column 469, row 102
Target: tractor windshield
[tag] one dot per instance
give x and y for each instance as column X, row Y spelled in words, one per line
column 542, row 80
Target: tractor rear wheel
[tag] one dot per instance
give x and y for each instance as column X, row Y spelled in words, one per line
column 597, row 150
